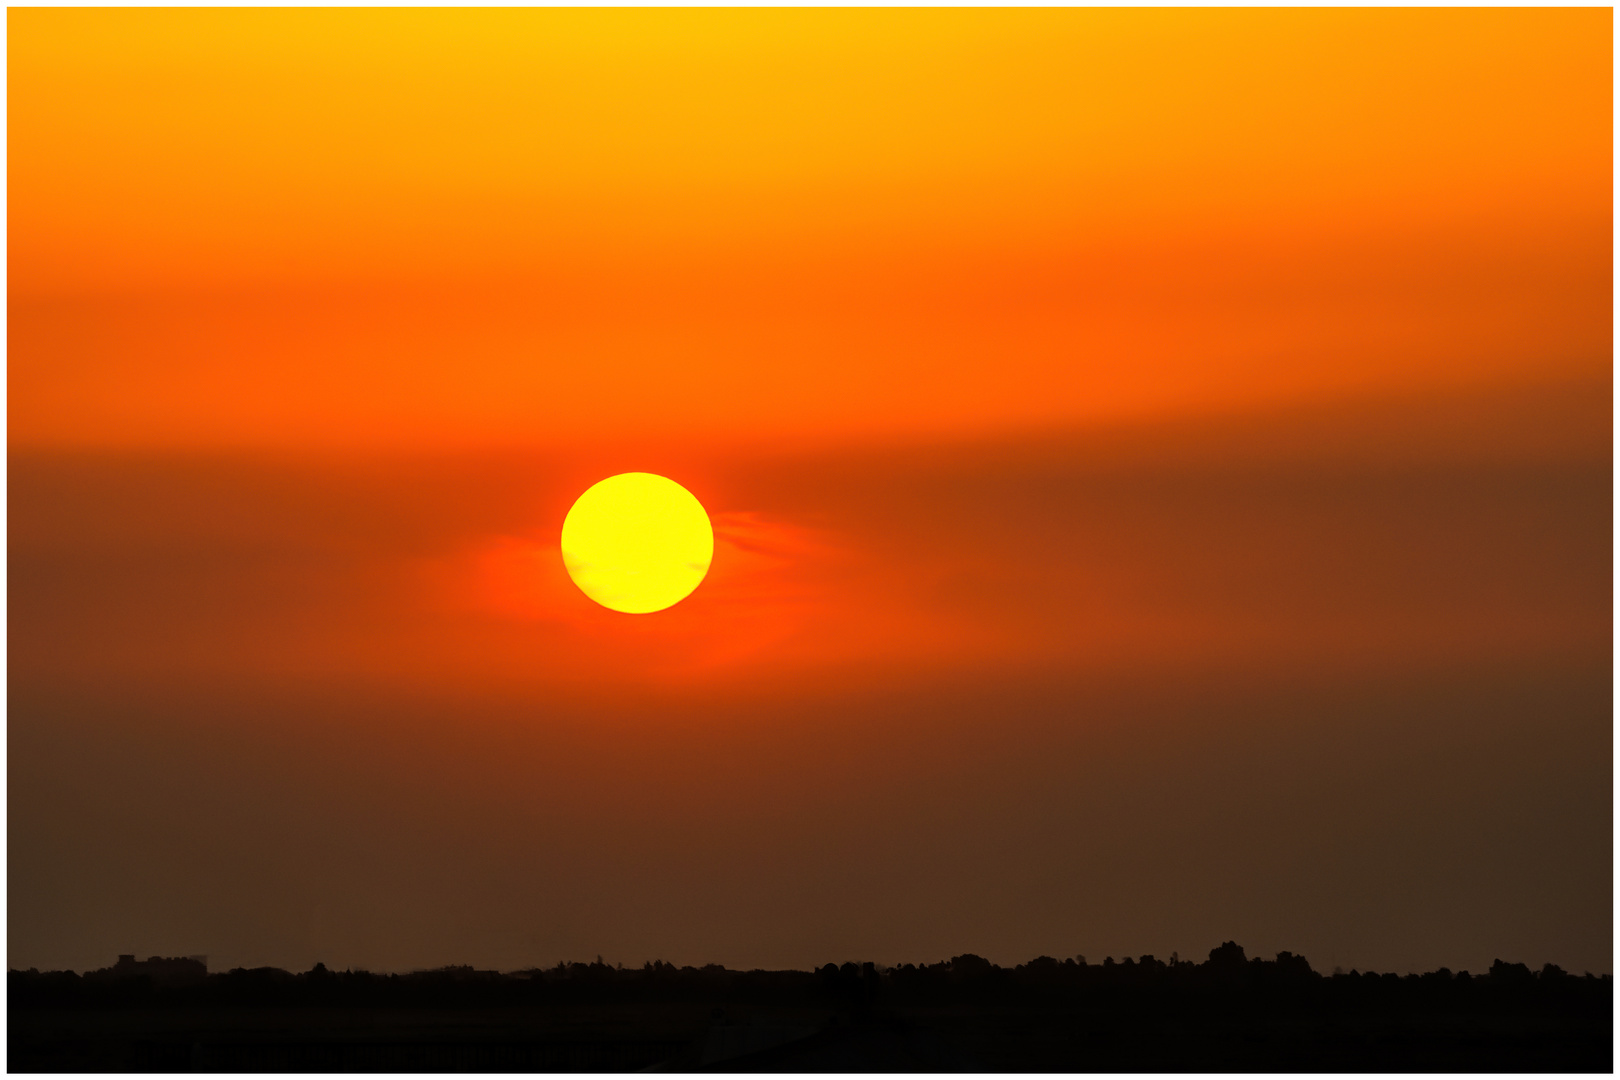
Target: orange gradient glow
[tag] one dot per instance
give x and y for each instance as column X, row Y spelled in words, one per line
column 298, row 228
column 1141, row 446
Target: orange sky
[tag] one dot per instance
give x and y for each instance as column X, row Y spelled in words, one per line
column 1145, row 447
column 288, row 228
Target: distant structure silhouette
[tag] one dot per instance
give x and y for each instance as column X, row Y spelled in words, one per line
column 162, row 970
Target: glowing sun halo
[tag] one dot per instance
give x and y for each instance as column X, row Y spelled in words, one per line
column 637, row 542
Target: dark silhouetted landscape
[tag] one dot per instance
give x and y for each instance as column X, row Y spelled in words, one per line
column 1229, row 1012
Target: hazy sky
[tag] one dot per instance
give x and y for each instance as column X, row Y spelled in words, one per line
column 1160, row 464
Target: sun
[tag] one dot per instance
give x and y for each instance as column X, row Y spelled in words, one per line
column 637, row 542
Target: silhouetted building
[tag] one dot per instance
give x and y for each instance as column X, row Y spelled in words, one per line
column 162, row 970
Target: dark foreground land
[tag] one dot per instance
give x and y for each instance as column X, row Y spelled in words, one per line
column 1228, row 1013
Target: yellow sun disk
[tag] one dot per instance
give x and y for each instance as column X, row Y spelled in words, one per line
column 637, row 543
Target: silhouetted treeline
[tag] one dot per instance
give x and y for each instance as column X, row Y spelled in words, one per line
column 1226, row 975
column 1230, row 1011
